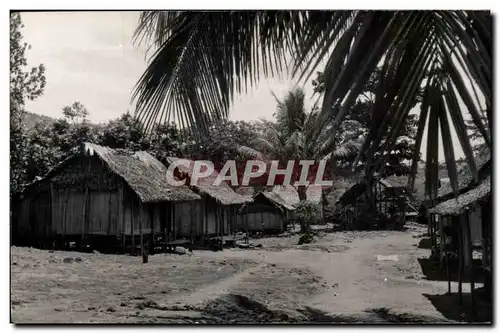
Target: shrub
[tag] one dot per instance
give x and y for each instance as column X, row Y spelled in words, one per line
column 306, row 212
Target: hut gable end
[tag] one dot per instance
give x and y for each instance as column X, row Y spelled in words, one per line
column 81, row 171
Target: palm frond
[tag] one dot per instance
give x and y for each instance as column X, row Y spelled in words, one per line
column 205, row 58
column 195, row 72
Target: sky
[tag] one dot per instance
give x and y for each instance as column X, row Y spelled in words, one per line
column 90, row 57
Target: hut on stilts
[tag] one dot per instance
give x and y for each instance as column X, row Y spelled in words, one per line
column 445, row 192
column 102, row 198
column 463, row 221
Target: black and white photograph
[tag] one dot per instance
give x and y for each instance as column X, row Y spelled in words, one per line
column 251, row 167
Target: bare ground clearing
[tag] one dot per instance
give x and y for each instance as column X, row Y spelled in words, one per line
column 336, row 279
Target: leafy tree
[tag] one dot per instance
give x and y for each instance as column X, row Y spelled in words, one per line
column 44, row 154
column 75, row 112
column 25, row 84
column 124, row 132
column 168, row 141
column 227, row 140
column 412, row 48
column 68, row 133
column 51, row 144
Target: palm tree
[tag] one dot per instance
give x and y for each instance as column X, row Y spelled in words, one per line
column 202, row 59
column 293, row 136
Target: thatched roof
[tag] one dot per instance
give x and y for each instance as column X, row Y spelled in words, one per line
column 222, row 193
column 290, row 195
column 350, row 196
column 339, row 187
column 276, row 199
column 145, row 175
column 465, row 175
column 395, row 181
column 246, row 191
column 457, row 206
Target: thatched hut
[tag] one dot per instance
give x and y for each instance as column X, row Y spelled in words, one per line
column 331, row 195
column 219, row 208
column 391, row 202
column 465, row 183
column 268, row 212
column 99, row 195
column 464, row 223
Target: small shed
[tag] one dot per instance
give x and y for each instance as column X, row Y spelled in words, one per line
column 220, row 205
column 110, row 198
column 267, row 213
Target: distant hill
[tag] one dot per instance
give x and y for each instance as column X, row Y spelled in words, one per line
column 32, row 119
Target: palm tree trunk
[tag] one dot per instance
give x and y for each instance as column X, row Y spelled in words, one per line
column 369, row 209
column 302, row 191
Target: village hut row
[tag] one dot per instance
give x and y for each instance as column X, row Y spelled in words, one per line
column 122, row 200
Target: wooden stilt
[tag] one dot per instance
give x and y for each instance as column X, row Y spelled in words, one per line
column 221, row 228
column 64, row 220
column 205, row 221
column 166, row 226
column 460, row 261
column 447, row 262
column 470, row 269
column 246, row 228
column 441, row 241
column 52, row 206
column 143, row 252
column 174, row 224
column 165, row 241
column 429, row 226
column 132, row 226
column 109, row 214
column 262, row 223
column 170, row 221
column 84, row 210
column 191, row 217
column 151, row 209
column 121, row 218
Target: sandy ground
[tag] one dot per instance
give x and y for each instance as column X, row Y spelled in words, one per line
column 338, row 278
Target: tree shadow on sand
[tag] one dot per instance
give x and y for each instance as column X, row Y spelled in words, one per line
column 449, row 306
column 240, row 309
column 432, row 270
column 425, row 243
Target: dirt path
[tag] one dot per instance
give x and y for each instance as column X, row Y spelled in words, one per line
column 338, row 275
column 354, row 279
